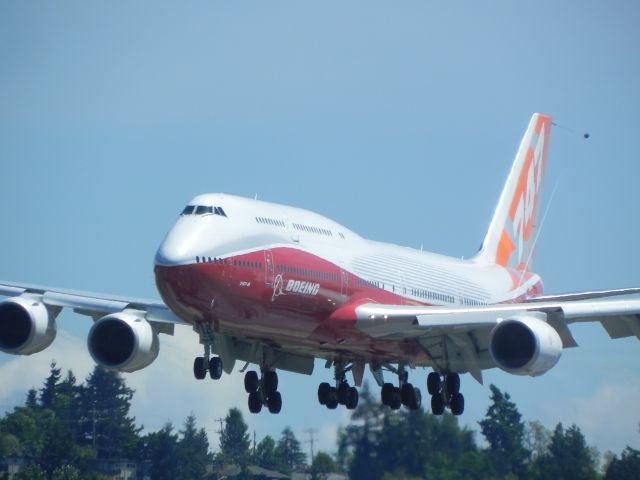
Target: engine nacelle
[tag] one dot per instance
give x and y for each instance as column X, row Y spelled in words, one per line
column 123, row 341
column 26, row 326
column 525, row 345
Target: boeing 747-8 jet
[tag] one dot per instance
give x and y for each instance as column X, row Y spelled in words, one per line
column 279, row 287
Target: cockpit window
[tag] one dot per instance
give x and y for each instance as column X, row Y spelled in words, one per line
column 202, row 209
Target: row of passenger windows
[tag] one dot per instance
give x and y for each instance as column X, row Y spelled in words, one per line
column 203, row 210
column 360, row 282
column 247, row 264
column 469, row 301
column 219, row 261
column 270, row 221
column 428, row 294
column 310, row 229
column 307, row 273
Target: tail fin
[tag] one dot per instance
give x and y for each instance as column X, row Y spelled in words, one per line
column 512, row 232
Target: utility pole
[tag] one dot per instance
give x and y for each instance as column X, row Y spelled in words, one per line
column 311, row 432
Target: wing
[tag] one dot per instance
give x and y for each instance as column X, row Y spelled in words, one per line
column 458, row 338
column 126, row 329
column 95, row 305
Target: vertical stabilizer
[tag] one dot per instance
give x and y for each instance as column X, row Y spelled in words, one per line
column 512, row 233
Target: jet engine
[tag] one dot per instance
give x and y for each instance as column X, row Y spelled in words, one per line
column 525, row 345
column 26, row 326
column 123, row 341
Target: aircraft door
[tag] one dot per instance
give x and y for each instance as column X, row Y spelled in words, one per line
column 269, row 269
column 344, row 283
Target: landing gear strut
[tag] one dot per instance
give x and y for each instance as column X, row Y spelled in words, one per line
column 341, row 394
column 404, row 394
column 445, row 393
column 263, row 391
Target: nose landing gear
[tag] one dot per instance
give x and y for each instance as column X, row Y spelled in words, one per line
column 445, row 393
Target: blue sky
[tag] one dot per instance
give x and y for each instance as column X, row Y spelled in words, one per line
column 397, row 119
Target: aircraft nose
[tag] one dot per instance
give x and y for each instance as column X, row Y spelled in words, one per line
column 176, row 248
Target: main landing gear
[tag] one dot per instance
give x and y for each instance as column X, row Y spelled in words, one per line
column 341, row 394
column 202, row 365
column 445, row 392
column 404, row 394
column 263, row 391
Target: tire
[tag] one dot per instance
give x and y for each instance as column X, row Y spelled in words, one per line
column 343, row 391
column 416, row 400
column 396, row 400
column 270, row 382
column 437, row 404
column 323, row 393
column 274, row 402
column 199, row 368
column 251, row 381
column 457, row 404
column 255, row 402
column 332, row 398
column 386, row 393
column 406, row 394
column 453, row 383
column 434, row 383
column 215, row 368
column 352, row 398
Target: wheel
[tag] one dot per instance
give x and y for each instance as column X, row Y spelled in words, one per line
column 416, row 399
column 352, row 398
column 457, row 404
column 406, row 394
column 433, row 383
column 255, row 402
column 453, row 383
column 274, row 402
column 270, row 382
column 251, row 381
column 332, row 398
column 386, row 392
column 323, row 392
column 343, row 390
column 199, row 368
column 215, row 368
column 437, row 404
column 396, row 400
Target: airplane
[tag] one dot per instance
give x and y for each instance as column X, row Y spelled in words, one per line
column 279, row 287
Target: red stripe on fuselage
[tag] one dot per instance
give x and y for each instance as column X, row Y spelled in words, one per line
column 284, row 295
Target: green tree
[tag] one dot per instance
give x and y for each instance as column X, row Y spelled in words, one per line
column 48, row 391
column 627, row 467
column 66, row 472
column 193, row 455
column 504, row 431
column 265, row 454
column 103, row 404
column 160, row 450
column 31, row 472
column 322, row 466
column 289, row 452
column 362, row 436
column 234, row 439
column 568, row 457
